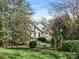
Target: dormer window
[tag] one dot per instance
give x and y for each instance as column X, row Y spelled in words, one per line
column 34, row 28
column 43, row 29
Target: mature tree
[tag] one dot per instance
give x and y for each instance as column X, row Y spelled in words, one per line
column 67, row 13
column 66, row 6
column 60, row 30
column 4, row 22
column 21, row 19
column 15, row 20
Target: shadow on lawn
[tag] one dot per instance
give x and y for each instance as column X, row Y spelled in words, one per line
column 38, row 57
column 10, row 56
column 25, row 49
column 51, row 55
column 16, row 55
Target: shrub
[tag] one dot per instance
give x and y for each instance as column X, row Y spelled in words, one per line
column 77, row 53
column 52, row 42
column 41, row 39
column 70, row 45
column 1, row 42
column 32, row 44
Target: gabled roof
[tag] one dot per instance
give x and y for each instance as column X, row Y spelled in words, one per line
column 46, row 26
column 33, row 23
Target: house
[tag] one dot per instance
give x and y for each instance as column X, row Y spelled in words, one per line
column 40, row 29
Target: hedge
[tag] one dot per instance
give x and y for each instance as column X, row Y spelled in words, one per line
column 70, row 45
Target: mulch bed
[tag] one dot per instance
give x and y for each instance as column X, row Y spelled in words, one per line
column 43, row 49
column 33, row 49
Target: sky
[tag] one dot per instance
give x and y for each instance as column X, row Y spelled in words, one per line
column 40, row 8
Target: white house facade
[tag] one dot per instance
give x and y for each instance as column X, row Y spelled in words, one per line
column 39, row 30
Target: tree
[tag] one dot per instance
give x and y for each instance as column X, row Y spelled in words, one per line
column 61, row 30
column 15, row 20
column 66, row 6
column 65, row 25
column 21, row 20
column 4, row 22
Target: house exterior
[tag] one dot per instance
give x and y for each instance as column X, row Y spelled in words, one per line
column 39, row 29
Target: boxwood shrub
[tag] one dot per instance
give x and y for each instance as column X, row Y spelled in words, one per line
column 32, row 44
column 42, row 39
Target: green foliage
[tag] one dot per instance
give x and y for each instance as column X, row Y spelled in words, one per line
column 14, row 21
column 32, row 44
column 70, row 45
column 77, row 53
column 41, row 39
column 1, row 42
column 60, row 31
column 57, row 42
column 52, row 42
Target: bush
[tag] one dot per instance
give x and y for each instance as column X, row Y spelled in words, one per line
column 70, row 45
column 77, row 53
column 44, row 40
column 32, row 44
column 1, row 43
column 52, row 42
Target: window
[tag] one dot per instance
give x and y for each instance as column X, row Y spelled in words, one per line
column 39, row 34
column 43, row 29
column 34, row 34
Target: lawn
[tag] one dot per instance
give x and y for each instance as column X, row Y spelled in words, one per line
column 22, row 53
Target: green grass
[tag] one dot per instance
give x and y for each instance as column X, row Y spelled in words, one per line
column 21, row 53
